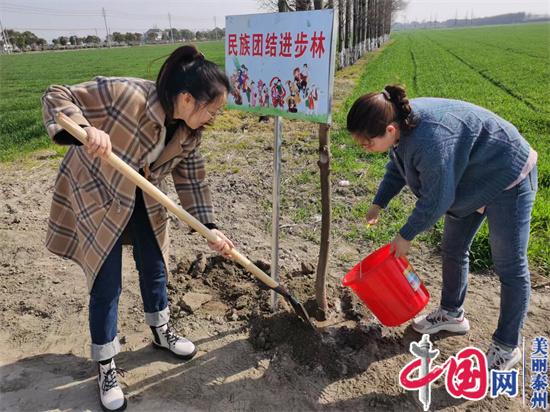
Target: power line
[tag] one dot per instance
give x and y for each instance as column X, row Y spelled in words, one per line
column 47, row 12
column 134, row 16
column 38, row 8
column 54, row 28
column 119, row 14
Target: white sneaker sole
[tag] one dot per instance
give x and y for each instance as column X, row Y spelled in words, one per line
column 123, row 407
column 177, row 355
column 459, row 328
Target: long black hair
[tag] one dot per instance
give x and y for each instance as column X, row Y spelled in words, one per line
column 186, row 70
column 371, row 113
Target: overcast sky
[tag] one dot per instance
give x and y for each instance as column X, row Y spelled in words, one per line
column 449, row 9
column 52, row 18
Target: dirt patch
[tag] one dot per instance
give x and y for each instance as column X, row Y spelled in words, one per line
column 316, row 351
column 248, row 356
column 240, row 293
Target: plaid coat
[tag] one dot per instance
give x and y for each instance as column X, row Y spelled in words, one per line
column 92, row 202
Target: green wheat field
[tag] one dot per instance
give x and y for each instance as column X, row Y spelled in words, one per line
column 503, row 68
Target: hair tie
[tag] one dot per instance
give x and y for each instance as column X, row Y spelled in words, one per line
column 386, row 94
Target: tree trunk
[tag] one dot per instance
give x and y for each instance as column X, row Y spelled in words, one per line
column 389, row 10
column 322, row 265
column 283, row 6
column 341, row 31
column 302, row 5
column 359, row 28
column 378, row 17
column 363, row 25
column 353, row 31
column 370, row 23
column 347, row 42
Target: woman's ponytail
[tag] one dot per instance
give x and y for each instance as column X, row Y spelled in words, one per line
column 185, row 55
column 398, row 96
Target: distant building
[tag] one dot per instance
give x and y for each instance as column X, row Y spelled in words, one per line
column 153, row 35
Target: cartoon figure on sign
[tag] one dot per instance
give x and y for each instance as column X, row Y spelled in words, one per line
column 266, row 95
column 291, row 103
column 253, row 94
column 245, row 88
column 304, row 76
column 278, row 92
column 236, row 87
column 239, row 76
column 236, row 93
column 261, row 94
column 294, row 91
column 242, row 72
column 312, row 95
column 297, row 78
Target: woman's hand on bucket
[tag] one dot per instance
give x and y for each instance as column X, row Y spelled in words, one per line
column 223, row 246
column 373, row 214
column 99, row 142
column 399, row 246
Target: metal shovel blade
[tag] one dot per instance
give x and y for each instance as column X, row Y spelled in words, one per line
column 296, row 305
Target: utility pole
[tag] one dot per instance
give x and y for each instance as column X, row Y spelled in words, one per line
column 7, row 44
column 4, row 39
column 170, row 23
column 106, row 27
column 215, row 33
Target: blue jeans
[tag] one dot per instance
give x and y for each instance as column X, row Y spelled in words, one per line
column 509, row 217
column 103, row 306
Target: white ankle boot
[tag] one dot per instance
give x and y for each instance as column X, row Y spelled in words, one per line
column 166, row 338
column 111, row 395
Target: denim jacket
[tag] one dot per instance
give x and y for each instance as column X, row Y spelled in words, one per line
column 456, row 160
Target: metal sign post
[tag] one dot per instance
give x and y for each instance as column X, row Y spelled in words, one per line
column 276, row 207
column 282, row 65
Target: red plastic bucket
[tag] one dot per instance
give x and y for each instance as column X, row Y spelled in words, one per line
column 388, row 286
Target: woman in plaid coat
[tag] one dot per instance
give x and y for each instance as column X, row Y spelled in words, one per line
column 156, row 129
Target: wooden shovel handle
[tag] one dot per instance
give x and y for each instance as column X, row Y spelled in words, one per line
column 79, row 133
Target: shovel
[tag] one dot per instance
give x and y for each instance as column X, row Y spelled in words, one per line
column 78, row 132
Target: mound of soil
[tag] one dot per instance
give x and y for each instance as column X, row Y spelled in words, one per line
column 327, row 350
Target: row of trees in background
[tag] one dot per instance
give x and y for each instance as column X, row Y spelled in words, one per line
column 12, row 40
column 188, row 35
column 75, row 40
column 363, row 25
column 510, row 18
column 21, row 40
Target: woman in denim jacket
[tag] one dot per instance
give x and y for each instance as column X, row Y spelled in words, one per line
column 467, row 163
